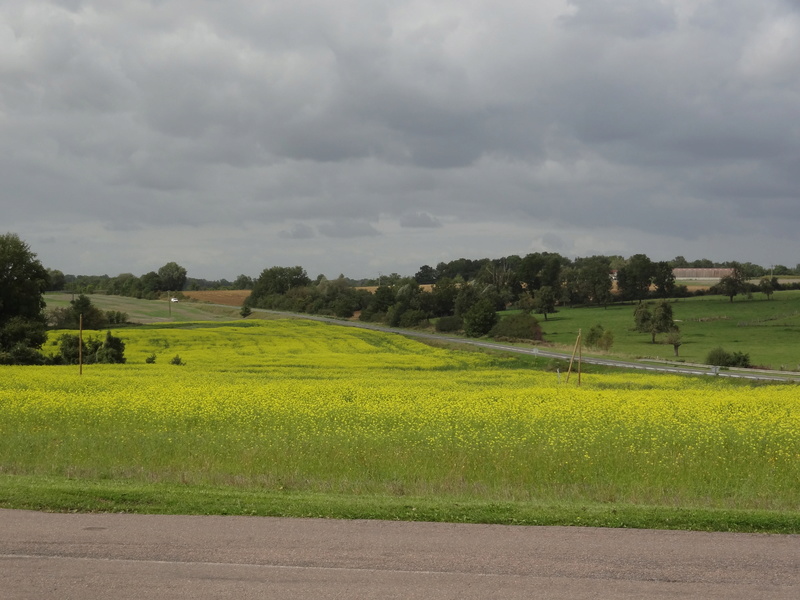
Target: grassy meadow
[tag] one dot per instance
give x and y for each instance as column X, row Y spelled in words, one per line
column 300, row 417
column 767, row 330
column 150, row 311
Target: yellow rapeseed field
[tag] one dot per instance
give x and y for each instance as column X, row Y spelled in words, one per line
column 305, row 405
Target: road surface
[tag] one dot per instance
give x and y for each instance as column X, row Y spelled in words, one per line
column 47, row 556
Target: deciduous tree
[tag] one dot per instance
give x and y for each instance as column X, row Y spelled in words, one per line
column 172, row 277
column 23, row 281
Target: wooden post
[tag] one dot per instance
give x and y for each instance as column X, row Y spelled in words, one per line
column 572, row 358
column 80, row 345
column 580, row 355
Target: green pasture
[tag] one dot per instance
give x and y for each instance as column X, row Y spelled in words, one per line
column 767, row 330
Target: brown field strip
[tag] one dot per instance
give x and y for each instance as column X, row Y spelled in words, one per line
column 226, row 297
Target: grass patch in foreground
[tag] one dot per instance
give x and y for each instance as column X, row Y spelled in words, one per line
column 56, row 494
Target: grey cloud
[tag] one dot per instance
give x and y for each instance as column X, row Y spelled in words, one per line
column 538, row 121
column 627, row 18
column 347, row 229
column 420, row 220
column 298, row 231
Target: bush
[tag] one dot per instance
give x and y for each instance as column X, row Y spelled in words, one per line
column 449, row 324
column 600, row 338
column 115, row 317
column 594, row 335
column 722, row 358
column 150, row 359
column 109, row 351
column 480, row 318
column 518, row 327
column 176, row 360
column 112, row 351
column 412, row 318
column 369, row 315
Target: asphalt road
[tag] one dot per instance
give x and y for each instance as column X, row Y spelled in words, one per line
column 47, row 556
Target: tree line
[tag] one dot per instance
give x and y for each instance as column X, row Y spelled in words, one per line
column 462, row 294
column 536, row 283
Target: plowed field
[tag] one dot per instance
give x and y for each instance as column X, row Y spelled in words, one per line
column 226, row 297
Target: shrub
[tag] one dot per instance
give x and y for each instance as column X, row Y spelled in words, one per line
column 370, row 315
column 412, row 318
column 480, row 318
column 740, row 359
column 449, row 324
column 600, row 338
column 518, row 327
column 594, row 335
column 176, row 360
column 150, row 359
column 722, row 358
column 718, row 356
column 92, row 350
column 115, row 317
column 112, row 351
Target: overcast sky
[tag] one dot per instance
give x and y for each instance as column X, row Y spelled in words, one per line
column 369, row 136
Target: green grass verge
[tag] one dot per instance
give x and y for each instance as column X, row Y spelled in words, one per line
column 114, row 496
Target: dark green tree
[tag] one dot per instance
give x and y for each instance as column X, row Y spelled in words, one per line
column 243, row 282
column 444, row 294
column 733, row 284
column 93, row 317
column 594, row 279
column 539, row 269
column 765, row 287
column 172, row 277
column 635, row 277
column 659, row 320
column 674, row 339
column 150, row 285
column 279, row 280
column 664, row 279
column 23, row 281
column 544, row 301
column 480, row 318
column 467, row 296
column 425, row 275
column 642, row 317
column 57, row 280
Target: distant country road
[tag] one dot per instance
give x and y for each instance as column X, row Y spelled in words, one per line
column 47, row 556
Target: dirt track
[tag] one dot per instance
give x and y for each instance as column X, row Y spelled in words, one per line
column 89, row 556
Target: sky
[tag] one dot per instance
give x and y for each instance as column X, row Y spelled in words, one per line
column 367, row 137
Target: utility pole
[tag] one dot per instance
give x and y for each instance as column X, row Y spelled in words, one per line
column 80, row 344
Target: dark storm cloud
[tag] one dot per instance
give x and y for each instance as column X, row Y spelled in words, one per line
column 289, row 129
